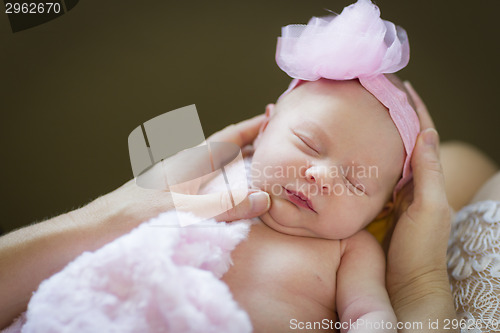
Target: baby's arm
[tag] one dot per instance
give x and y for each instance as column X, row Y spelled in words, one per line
column 361, row 293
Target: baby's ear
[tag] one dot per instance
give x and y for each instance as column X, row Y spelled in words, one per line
column 270, row 110
column 269, row 114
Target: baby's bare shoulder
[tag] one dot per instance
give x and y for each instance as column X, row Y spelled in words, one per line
column 359, row 242
column 284, row 276
column 273, row 253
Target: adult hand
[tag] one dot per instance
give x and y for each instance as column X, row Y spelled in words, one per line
column 417, row 279
column 34, row 253
column 137, row 204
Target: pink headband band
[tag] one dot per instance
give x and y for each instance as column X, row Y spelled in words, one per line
column 355, row 44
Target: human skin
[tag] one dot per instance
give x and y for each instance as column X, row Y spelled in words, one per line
column 278, row 278
column 416, row 277
column 34, row 253
column 466, row 169
column 46, row 247
column 417, row 280
column 314, row 263
column 327, row 135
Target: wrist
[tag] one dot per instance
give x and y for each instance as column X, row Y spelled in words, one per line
column 82, row 229
column 409, row 288
column 100, row 221
column 118, row 212
column 424, row 298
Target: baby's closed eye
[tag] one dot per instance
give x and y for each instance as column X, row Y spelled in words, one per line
column 307, row 142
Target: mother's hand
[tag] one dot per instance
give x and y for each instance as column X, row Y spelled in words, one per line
column 34, row 253
column 417, row 279
column 134, row 204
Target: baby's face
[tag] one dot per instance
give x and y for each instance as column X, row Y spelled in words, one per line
column 329, row 155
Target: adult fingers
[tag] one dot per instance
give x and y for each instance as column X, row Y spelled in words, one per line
column 422, row 227
column 428, row 179
column 193, row 164
column 416, row 261
column 241, row 134
column 255, row 204
column 219, row 205
column 423, row 113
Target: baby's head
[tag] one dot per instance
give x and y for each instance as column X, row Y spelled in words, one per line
column 330, row 156
column 338, row 143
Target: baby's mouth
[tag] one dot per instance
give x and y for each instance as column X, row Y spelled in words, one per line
column 299, row 199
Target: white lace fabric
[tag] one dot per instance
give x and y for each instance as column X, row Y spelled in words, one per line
column 474, row 266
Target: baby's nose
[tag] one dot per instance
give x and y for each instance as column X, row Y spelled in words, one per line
column 319, row 175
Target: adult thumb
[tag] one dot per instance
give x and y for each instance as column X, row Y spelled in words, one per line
column 254, row 204
column 242, row 204
column 428, row 176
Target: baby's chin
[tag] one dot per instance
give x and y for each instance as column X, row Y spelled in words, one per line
column 283, row 228
column 284, row 220
column 281, row 219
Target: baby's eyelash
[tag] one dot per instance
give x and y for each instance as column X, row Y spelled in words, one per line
column 307, row 144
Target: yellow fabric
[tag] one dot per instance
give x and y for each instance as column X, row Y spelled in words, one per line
column 378, row 228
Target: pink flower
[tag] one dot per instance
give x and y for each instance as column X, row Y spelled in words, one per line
column 357, row 43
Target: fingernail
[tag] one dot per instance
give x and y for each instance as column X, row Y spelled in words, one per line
column 259, row 202
column 431, row 137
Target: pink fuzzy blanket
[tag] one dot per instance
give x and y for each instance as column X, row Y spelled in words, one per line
column 157, row 278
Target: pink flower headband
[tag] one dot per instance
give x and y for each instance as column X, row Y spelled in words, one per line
column 355, row 44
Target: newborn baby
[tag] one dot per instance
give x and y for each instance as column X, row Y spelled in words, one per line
column 330, row 156
column 332, row 153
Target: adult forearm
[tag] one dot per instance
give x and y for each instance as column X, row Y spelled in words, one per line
column 34, row 253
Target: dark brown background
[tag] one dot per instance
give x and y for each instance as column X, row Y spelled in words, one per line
column 72, row 89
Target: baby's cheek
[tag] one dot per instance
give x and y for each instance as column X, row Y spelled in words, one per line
column 259, row 167
column 351, row 219
column 256, row 176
